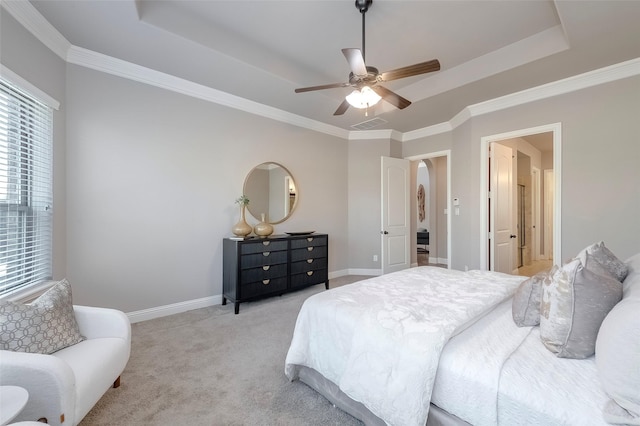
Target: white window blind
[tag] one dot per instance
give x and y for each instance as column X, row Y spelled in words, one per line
column 25, row 189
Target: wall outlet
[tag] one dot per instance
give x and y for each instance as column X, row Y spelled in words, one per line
column 375, row 257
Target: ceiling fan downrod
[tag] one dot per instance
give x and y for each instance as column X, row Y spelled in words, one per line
column 363, row 6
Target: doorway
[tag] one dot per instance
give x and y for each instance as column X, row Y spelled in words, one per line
column 433, row 173
column 537, row 243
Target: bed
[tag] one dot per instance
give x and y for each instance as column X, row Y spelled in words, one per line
column 441, row 347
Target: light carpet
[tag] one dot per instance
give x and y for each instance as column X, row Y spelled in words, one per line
column 211, row 367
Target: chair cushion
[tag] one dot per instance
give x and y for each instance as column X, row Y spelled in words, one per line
column 44, row 326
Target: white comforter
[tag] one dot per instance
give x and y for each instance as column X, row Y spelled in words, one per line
column 380, row 339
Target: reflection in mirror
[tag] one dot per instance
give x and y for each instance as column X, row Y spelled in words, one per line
column 271, row 191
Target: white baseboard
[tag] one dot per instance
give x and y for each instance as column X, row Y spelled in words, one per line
column 373, row 272
column 174, row 308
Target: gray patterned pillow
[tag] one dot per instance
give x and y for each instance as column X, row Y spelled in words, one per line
column 45, row 326
column 525, row 308
column 575, row 301
column 605, row 257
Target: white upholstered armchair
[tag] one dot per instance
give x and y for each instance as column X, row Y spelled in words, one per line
column 65, row 385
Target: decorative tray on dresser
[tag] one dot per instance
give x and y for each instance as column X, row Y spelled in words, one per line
column 254, row 268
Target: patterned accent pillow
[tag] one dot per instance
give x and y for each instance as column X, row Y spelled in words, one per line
column 605, row 257
column 45, row 326
column 575, row 301
column 525, row 307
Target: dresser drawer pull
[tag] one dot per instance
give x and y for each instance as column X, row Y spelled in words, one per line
column 266, row 253
column 266, row 267
column 266, row 243
column 309, row 260
column 310, row 273
column 265, row 282
column 309, row 248
column 309, row 239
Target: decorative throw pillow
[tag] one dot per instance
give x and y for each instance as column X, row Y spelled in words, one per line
column 618, row 362
column 601, row 254
column 525, row 308
column 45, row 326
column 575, row 301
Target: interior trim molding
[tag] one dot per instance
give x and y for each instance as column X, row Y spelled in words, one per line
column 174, row 308
column 33, row 21
column 107, row 64
column 593, row 78
column 29, row 17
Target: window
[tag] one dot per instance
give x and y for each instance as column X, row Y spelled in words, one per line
column 25, row 189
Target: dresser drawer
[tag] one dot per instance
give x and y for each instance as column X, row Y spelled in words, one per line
column 308, row 265
column 260, row 288
column 309, row 242
column 262, row 246
column 309, row 278
column 262, row 259
column 263, row 272
column 308, row 253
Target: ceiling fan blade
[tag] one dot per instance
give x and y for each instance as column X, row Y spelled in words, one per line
column 324, row 86
column 411, row 70
column 391, row 97
column 356, row 61
column 342, row 108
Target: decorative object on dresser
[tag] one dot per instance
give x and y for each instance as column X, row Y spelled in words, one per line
column 264, row 228
column 254, row 268
column 242, row 228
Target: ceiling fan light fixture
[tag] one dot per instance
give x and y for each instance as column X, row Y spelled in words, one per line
column 363, row 98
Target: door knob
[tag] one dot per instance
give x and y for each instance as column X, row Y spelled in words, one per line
column 513, row 236
column 384, row 232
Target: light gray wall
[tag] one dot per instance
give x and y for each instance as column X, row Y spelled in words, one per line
column 145, row 183
column 600, row 173
column 30, row 59
column 364, row 202
column 152, row 177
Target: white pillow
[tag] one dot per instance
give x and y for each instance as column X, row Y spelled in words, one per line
column 618, row 362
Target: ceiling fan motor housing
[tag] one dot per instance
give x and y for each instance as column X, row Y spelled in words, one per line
column 369, row 80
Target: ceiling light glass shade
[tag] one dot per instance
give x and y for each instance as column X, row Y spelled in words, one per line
column 363, row 98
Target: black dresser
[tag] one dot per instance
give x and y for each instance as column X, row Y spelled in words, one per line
column 254, row 268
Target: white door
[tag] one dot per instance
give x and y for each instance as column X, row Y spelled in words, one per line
column 395, row 214
column 501, row 227
column 549, row 197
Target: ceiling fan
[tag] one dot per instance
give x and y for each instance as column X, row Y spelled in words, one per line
column 364, row 79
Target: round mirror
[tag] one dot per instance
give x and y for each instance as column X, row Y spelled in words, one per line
column 271, row 191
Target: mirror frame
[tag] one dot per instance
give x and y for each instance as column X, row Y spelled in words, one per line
column 287, row 173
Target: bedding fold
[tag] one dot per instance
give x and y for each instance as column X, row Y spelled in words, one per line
column 380, row 340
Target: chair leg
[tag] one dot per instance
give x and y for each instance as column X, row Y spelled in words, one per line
column 116, row 384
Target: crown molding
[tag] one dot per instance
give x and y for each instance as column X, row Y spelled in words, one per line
column 107, row 64
column 29, row 17
column 34, row 22
column 597, row 77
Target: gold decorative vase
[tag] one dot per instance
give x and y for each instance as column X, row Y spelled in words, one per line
column 242, row 228
column 263, row 229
